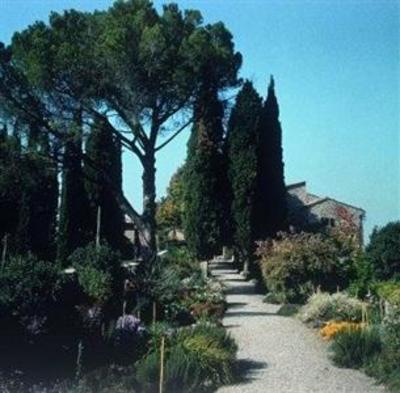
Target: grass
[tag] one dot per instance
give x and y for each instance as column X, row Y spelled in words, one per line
column 354, row 348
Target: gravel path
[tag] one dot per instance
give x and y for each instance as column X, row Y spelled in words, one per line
column 279, row 354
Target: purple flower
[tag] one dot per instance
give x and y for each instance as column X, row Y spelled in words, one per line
column 129, row 324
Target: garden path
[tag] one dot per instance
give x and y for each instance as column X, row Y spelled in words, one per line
column 279, row 354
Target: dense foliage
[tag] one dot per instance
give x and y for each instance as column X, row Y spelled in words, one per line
column 103, row 179
column 242, row 144
column 28, row 289
column 99, row 272
column 323, row 307
column 376, row 349
column 295, row 265
column 204, row 179
column 383, row 251
column 134, row 67
column 28, row 197
column 196, row 359
column 171, row 208
column 271, row 207
column 353, row 347
column 74, row 226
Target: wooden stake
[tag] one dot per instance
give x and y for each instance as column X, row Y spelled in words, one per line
column 124, row 307
column 162, row 364
column 154, row 312
column 98, row 227
column 4, row 252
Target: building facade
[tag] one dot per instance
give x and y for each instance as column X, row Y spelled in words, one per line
column 306, row 210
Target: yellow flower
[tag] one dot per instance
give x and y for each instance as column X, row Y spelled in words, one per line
column 332, row 328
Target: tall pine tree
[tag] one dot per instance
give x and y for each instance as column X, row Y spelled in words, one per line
column 242, row 145
column 204, row 210
column 271, row 207
column 103, row 172
column 74, row 224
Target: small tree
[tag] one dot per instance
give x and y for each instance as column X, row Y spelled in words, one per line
column 170, row 210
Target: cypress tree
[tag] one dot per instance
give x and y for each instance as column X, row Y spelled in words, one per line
column 74, row 226
column 242, row 145
column 204, row 212
column 10, row 185
column 271, row 208
column 103, row 173
column 30, row 187
column 37, row 208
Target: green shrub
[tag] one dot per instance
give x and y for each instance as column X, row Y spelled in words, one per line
column 362, row 277
column 354, row 348
column 195, row 357
column 391, row 333
column 296, row 264
column 323, row 307
column 183, row 263
column 276, row 298
column 27, row 289
column 99, row 272
column 384, row 251
column 389, row 291
column 385, row 370
column 288, row 310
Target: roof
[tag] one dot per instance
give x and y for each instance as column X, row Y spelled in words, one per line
column 295, row 185
column 320, row 199
column 334, row 200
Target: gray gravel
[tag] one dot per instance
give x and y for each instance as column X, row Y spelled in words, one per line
column 279, row 354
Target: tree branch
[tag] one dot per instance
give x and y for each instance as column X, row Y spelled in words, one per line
column 174, row 135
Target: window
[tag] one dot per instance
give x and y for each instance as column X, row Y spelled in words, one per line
column 329, row 222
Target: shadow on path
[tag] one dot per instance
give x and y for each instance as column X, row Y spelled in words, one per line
column 248, row 313
column 247, row 370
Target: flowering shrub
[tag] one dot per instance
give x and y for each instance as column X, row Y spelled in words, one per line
column 206, row 300
column 128, row 339
column 331, row 329
column 296, row 264
column 208, row 310
column 323, row 307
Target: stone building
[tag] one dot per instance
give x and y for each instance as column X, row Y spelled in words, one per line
column 307, row 210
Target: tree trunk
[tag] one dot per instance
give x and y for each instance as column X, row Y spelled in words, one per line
column 149, row 199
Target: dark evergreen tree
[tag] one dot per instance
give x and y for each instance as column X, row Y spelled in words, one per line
column 242, row 145
column 74, row 223
column 204, row 210
column 10, row 185
column 271, row 207
column 103, row 178
column 37, row 208
column 29, row 197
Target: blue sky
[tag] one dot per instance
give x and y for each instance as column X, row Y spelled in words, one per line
column 336, row 66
